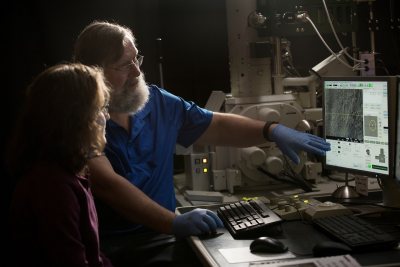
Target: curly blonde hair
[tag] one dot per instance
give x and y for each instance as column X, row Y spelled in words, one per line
column 59, row 122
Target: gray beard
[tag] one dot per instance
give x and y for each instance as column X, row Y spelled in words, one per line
column 128, row 99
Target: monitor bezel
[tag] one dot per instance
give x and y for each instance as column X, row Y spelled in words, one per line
column 392, row 109
column 397, row 141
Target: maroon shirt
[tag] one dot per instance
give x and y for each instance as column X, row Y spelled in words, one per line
column 54, row 220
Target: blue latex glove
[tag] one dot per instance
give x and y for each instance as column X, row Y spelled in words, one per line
column 196, row 222
column 291, row 141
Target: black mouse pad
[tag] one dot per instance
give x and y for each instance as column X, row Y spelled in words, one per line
column 301, row 237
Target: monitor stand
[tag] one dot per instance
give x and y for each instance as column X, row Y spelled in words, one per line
column 345, row 191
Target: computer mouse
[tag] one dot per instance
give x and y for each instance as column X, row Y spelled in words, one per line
column 267, row 244
column 330, row 248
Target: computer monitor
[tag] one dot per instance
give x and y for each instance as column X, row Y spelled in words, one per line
column 360, row 115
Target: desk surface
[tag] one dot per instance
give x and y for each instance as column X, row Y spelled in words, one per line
column 299, row 236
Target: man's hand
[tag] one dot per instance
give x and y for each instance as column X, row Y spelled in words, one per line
column 291, row 141
column 196, row 222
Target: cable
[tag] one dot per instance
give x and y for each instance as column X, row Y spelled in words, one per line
column 300, row 181
column 273, row 176
column 296, row 178
column 337, row 38
column 381, row 66
column 355, row 67
column 380, row 183
column 289, row 180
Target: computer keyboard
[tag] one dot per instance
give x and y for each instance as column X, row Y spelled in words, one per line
column 248, row 219
column 359, row 234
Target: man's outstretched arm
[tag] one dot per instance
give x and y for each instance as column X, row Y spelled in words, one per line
column 238, row 131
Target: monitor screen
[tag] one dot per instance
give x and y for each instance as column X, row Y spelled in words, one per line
column 359, row 123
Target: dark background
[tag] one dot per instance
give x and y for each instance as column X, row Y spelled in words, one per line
column 38, row 34
column 193, row 33
column 41, row 33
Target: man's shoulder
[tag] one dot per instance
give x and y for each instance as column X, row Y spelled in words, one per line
column 158, row 93
column 154, row 89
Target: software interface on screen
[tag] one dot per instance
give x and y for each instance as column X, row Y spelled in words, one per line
column 356, row 125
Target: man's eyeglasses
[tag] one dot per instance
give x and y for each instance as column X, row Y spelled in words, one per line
column 128, row 67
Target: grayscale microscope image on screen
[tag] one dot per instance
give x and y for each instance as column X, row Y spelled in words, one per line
column 356, row 125
column 343, row 109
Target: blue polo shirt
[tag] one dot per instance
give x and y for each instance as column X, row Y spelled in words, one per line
column 145, row 155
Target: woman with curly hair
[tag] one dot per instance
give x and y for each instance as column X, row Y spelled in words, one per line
column 53, row 216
